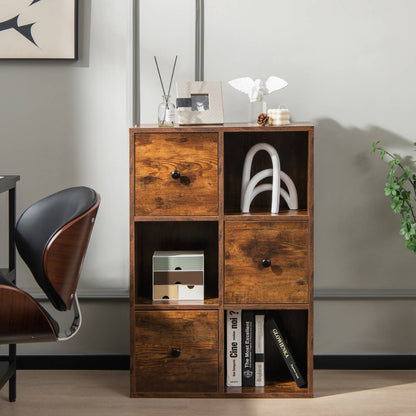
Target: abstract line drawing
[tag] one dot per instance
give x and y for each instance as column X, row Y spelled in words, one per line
column 250, row 188
column 24, row 30
column 39, row 29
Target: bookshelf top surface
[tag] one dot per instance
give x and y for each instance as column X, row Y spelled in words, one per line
column 228, row 127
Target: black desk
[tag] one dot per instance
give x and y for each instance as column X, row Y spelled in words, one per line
column 8, row 366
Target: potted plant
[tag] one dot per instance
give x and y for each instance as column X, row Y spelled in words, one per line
column 401, row 188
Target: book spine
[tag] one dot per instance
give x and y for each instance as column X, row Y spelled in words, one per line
column 284, row 351
column 247, row 343
column 259, row 351
column 233, row 350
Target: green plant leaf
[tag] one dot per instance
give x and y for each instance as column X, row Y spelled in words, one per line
column 400, row 186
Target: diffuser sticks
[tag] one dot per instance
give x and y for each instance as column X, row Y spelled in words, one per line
column 166, row 110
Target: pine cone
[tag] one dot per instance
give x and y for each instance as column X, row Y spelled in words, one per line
column 263, row 119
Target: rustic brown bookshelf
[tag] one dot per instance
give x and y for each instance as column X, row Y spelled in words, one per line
column 178, row 347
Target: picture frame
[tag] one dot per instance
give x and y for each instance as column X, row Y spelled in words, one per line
column 199, row 102
column 39, row 29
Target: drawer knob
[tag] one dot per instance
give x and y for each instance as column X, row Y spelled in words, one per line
column 176, row 174
column 176, row 352
column 266, row 263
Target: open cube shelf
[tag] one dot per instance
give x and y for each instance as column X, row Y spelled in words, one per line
column 185, row 193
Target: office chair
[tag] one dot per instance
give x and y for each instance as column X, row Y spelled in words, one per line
column 52, row 236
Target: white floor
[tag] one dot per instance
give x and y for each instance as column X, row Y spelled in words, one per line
column 337, row 393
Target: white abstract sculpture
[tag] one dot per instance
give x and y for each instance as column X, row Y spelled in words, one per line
column 250, row 188
column 257, row 89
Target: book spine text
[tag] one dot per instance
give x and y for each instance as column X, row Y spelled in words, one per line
column 233, row 348
column 284, row 351
column 247, row 343
column 259, row 351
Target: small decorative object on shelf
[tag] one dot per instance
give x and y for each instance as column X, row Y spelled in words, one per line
column 250, row 188
column 166, row 113
column 166, row 110
column 199, row 102
column 178, row 275
column 254, row 109
column 263, row 119
column 256, row 90
column 279, row 116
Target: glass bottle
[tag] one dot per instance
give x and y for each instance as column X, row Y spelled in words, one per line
column 166, row 113
column 255, row 108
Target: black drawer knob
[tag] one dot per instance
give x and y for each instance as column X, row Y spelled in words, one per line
column 266, row 263
column 176, row 352
column 176, row 174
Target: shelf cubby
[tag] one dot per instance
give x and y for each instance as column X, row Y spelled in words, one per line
column 179, row 235
column 294, row 325
column 292, row 148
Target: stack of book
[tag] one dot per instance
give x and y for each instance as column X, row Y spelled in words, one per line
column 245, row 349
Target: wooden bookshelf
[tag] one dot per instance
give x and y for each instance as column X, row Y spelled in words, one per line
column 178, row 347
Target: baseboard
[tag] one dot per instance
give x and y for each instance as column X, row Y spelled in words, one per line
column 364, row 362
column 73, row 362
column 122, row 362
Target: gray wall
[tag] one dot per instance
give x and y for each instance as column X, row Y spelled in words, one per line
column 66, row 124
column 350, row 66
column 350, row 71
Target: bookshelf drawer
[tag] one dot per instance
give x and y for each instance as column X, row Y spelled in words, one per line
column 266, row 262
column 178, row 278
column 176, row 174
column 178, row 261
column 176, row 351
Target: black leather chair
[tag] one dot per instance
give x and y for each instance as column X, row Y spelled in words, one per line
column 52, row 237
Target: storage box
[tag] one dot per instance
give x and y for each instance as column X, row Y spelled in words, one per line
column 178, row 275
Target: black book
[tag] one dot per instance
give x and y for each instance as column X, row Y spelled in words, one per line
column 284, row 350
column 247, row 343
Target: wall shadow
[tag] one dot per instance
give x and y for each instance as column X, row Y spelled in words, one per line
column 84, row 33
column 357, row 241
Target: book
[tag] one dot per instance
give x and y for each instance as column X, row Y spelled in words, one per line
column 284, row 351
column 233, row 348
column 247, row 344
column 259, row 351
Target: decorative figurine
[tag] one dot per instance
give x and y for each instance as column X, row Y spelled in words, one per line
column 250, row 189
column 257, row 89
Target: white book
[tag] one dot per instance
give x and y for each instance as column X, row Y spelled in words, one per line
column 233, row 349
column 259, row 351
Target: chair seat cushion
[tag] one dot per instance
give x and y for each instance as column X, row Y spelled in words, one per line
column 14, row 314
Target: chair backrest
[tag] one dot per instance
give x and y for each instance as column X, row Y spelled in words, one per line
column 52, row 237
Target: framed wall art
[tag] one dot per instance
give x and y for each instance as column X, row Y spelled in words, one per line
column 38, row 29
column 199, row 102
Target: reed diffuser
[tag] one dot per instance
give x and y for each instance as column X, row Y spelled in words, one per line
column 166, row 109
